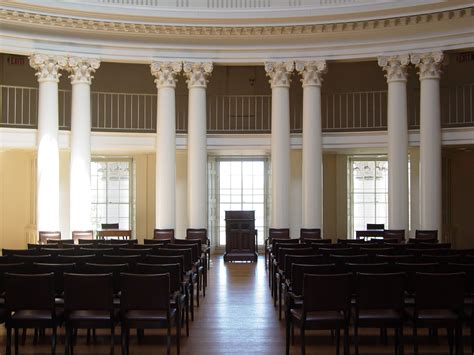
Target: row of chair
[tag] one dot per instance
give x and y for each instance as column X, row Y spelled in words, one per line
column 326, row 302
column 146, row 301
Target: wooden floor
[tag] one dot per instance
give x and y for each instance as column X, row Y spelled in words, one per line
column 236, row 317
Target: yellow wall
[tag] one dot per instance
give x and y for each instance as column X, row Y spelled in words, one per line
column 18, row 177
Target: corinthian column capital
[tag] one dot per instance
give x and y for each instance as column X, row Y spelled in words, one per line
column 395, row 67
column 311, row 72
column 197, row 73
column 279, row 73
column 165, row 73
column 428, row 64
column 81, row 69
column 47, row 66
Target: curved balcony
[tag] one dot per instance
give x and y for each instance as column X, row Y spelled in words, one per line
column 230, row 114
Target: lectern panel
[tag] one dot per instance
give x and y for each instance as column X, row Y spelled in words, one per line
column 240, row 236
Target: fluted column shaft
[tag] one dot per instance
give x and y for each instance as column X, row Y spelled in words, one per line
column 81, row 70
column 312, row 175
column 47, row 201
column 429, row 65
column 396, row 74
column 197, row 74
column 165, row 202
column 279, row 74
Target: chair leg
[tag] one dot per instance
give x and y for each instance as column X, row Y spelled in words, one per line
column 279, row 299
column 346, row 340
column 338, row 340
column 88, row 341
column 72, row 341
column 397, row 339
column 178, row 332
column 123, row 343
column 450, row 340
column 168, row 339
column 458, row 340
column 35, row 337
column 23, row 336
column 401, row 349
column 415, row 340
column 302, row 340
column 356, row 338
column 197, row 291
column 472, row 337
column 53, row 342
column 112, row 339
column 292, row 334
column 287, row 328
column 16, row 341
column 8, row 349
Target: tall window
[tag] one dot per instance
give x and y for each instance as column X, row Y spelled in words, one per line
column 242, row 186
column 111, row 182
column 368, row 197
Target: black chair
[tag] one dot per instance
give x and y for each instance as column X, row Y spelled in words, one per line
column 274, row 233
column 379, row 304
column 439, row 300
column 178, row 295
column 44, row 236
column 58, row 271
column 163, row 233
column 83, row 235
column 86, row 309
column 394, row 234
column 145, row 303
column 310, row 233
column 371, row 226
column 114, row 269
column 201, row 234
column 27, row 311
column 110, row 226
column 426, row 234
column 326, row 305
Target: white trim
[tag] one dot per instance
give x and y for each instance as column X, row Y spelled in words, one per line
column 118, row 142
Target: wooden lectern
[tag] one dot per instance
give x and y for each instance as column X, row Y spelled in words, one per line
column 241, row 236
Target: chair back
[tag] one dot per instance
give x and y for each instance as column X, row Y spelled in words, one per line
column 11, row 252
column 88, row 292
column 376, row 268
column 174, row 270
column 165, row 259
column 145, row 292
column 131, row 260
column 410, row 270
column 279, row 233
column 283, row 252
column 426, row 234
column 327, row 292
column 44, row 236
column 12, row 268
column 195, row 251
column 114, row 269
column 79, row 260
column 198, row 233
column 310, row 233
column 29, row 291
column 468, row 269
column 439, row 291
column 317, row 241
column 277, row 242
column 110, row 226
column 396, row 234
column 380, row 290
column 58, row 271
column 313, row 259
column 165, row 233
column 156, row 242
column 441, row 259
column 299, row 270
column 134, row 251
column 392, row 259
column 186, row 253
column 371, row 226
column 335, row 251
column 84, row 235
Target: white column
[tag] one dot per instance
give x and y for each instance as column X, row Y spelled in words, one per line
column 279, row 74
column 312, row 177
column 47, row 200
column 81, row 70
column 396, row 69
column 429, row 65
column 197, row 74
column 165, row 202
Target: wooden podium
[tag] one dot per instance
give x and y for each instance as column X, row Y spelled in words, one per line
column 241, row 236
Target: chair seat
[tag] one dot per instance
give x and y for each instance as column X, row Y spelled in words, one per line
column 145, row 315
column 29, row 315
column 90, row 319
column 437, row 314
column 319, row 319
column 378, row 316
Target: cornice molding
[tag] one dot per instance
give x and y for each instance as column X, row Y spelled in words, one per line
column 120, row 27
